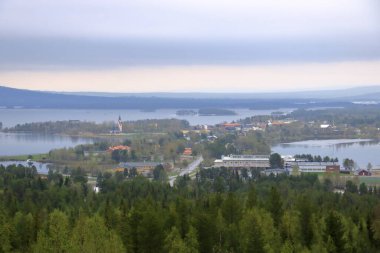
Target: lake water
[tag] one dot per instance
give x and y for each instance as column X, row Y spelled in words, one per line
column 362, row 151
column 29, row 144
column 12, row 117
column 24, row 143
column 42, row 168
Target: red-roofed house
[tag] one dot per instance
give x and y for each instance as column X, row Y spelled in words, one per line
column 119, row 147
column 188, row 151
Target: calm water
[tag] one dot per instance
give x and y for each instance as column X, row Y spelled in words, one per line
column 25, row 144
column 12, row 117
column 42, row 168
column 361, row 151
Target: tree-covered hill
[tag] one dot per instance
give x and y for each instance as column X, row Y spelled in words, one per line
column 10, row 97
column 219, row 211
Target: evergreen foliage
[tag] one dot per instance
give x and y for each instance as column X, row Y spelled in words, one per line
column 218, row 211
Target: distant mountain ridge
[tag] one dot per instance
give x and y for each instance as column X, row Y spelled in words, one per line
column 349, row 93
column 11, row 98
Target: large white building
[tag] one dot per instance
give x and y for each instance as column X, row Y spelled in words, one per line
column 312, row 167
column 243, row 161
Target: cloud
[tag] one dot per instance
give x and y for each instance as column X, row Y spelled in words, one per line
column 22, row 53
column 202, row 78
column 189, row 18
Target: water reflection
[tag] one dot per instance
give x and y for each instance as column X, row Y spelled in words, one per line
column 26, row 143
column 362, row 151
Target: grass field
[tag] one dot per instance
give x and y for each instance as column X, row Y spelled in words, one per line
column 37, row 157
column 370, row 180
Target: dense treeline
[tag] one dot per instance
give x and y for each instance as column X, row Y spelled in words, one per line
column 75, row 127
column 358, row 116
column 343, row 123
column 72, row 127
column 316, row 158
column 219, row 211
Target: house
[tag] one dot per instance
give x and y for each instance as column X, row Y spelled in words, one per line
column 187, row 152
column 119, row 147
column 211, row 138
column 363, row 172
column 232, row 126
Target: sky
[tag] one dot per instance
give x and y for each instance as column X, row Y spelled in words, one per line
column 189, row 45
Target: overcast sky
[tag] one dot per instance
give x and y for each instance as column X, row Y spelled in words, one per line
column 189, row 45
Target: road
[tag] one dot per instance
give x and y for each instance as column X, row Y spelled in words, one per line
column 189, row 169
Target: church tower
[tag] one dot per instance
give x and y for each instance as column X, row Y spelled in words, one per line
column 120, row 125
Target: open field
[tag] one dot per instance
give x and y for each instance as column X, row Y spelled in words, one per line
column 372, row 181
column 37, row 157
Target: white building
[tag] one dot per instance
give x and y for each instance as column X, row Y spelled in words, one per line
column 243, row 161
column 312, row 167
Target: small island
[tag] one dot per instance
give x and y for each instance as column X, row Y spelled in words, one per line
column 186, row 113
column 215, row 112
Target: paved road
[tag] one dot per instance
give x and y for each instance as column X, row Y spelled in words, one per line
column 190, row 168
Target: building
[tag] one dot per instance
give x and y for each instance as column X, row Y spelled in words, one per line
column 243, row 161
column 273, row 172
column 363, row 172
column 312, row 167
column 119, row 147
column 119, row 129
column 144, row 168
column 231, row 126
column 187, row 151
column 120, row 125
column 333, row 169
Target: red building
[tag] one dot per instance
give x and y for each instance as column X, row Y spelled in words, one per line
column 119, row 147
column 188, row 151
column 332, row 168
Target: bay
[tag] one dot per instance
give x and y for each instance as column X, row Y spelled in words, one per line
column 29, row 144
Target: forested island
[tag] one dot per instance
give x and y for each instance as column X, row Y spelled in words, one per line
column 186, row 112
column 215, row 112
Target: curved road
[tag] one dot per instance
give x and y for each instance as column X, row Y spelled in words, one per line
column 190, row 168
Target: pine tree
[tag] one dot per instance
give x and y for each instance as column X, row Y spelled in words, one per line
column 334, row 233
column 191, row 241
column 252, row 197
column 56, row 238
column 174, row 242
column 91, row 235
column 5, row 234
column 275, row 206
column 252, row 239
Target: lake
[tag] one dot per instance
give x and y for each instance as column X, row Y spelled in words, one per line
column 12, row 117
column 29, row 144
column 25, row 143
column 362, row 151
